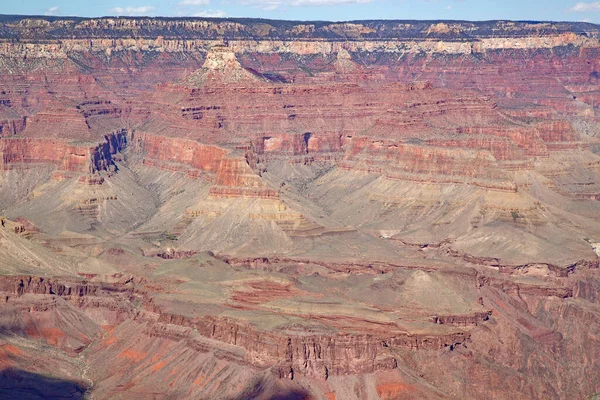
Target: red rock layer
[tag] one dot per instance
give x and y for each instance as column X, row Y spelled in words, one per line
column 169, row 150
column 233, row 175
column 415, row 132
column 318, row 356
column 54, row 151
column 17, row 151
column 235, row 178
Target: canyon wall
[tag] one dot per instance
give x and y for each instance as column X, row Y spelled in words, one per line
column 17, row 152
column 313, row 355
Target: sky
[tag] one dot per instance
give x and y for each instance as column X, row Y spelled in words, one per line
column 331, row 10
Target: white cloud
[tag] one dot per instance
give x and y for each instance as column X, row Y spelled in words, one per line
column 274, row 4
column 51, row 11
column 211, row 14
column 194, row 3
column 132, row 10
column 586, row 7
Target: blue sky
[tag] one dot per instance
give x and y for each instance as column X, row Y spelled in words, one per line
column 336, row 10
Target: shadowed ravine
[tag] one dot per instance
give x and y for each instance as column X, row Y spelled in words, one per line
column 18, row 384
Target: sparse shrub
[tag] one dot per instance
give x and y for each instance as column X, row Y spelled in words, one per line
column 515, row 215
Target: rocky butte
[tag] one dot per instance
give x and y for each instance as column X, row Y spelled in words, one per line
column 256, row 209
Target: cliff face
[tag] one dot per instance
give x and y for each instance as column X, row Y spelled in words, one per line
column 274, row 209
column 174, row 151
column 19, row 152
column 530, row 70
column 483, row 50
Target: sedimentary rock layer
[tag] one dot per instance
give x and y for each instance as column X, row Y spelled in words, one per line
column 67, row 156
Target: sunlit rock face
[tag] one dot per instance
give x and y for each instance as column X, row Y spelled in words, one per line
column 270, row 209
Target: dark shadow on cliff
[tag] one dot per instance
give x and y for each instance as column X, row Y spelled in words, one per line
column 24, row 385
column 269, row 388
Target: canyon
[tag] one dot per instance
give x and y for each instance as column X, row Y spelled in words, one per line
column 256, row 209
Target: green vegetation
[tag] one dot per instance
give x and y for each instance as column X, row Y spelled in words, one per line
column 515, row 215
column 168, row 236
